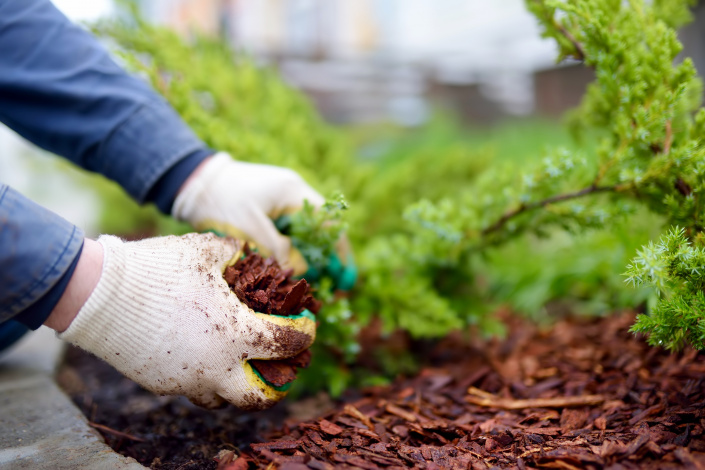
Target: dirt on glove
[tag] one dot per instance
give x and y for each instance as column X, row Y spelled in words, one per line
column 265, row 287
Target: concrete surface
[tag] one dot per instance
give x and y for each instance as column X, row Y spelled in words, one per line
column 40, row 428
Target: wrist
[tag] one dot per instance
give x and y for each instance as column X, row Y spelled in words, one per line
column 194, row 174
column 189, row 201
column 83, row 281
column 165, row 190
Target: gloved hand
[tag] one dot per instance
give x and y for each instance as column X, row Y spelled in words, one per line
column 242, row 199
column 163, row 315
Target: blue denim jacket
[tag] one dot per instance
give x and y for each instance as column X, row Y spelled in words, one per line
column 61, row 90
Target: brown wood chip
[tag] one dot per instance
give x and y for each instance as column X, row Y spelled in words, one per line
column 330, row 428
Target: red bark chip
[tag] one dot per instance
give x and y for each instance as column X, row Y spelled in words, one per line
column 278, row 373
column 303, row 359
column 264, row 287
column 293, row 300
column 330, row 428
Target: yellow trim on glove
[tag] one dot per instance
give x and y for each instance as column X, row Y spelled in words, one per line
column 267, row 390
column 301, row 324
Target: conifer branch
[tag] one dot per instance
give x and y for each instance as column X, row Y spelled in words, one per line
column 547, row 15
column 523, row 208
column 668, row 141
column 580, row 50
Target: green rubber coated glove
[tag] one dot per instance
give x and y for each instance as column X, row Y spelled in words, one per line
column 343, row 273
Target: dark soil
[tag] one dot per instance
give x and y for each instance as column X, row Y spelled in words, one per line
column 173, row 433
column 263, row 286
column 584, row 394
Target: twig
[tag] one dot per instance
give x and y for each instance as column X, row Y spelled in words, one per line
column 115, row 432
column 400, row 412
column 533, row 451
column 482, row 398
column 549, row 17
column 543, row 203
column 351, row 411
column 474, row 454
column 668, row 141
column 276, row 445
column 569, row 36
column 683, row 187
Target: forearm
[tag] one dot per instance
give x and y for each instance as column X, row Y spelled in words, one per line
column 60, row 89
column 83, row 281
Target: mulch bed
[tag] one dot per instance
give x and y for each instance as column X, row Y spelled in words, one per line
column 584, row 394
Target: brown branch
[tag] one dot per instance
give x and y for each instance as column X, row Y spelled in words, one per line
column 482, row 398
column 353, row 412
column 581, row 55
column 656, row 147
column 507, row 216
column 115, row 432
column 683, row 187
column 400, row 412
column 668, row 141
column 549, row 17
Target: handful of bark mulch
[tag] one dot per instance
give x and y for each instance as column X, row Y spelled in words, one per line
column 265, row 287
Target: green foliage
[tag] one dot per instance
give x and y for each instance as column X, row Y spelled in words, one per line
column 565, row 273
column 675, row 266
column 445, row 226
column 414, row 165
column 641, row 104
column 235, row 106
column 641, row 109
column 652, row 152
column 315, row 233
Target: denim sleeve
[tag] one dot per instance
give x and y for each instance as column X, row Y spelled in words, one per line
column 37, row 248
column 60, row 89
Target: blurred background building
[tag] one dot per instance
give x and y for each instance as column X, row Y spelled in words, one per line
column 376, row 60
column 372, row 60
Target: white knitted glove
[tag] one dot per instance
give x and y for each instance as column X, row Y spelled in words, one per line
column 163, row 315
column 241, row 199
